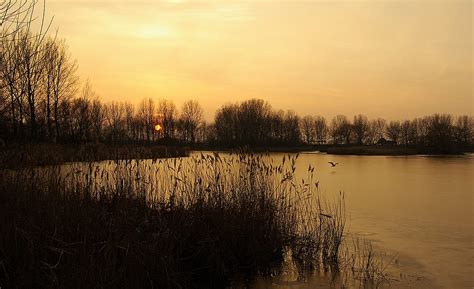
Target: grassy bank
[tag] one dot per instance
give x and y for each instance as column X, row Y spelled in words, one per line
column 41, row 154
column 202, row 222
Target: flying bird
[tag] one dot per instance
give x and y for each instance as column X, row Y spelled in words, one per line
column 333, row 163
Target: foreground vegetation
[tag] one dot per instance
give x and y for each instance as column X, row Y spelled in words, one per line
column 202, row 222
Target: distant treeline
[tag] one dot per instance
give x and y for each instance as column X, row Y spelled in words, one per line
column 42, row 99
column 85, row 118
column 254, row 122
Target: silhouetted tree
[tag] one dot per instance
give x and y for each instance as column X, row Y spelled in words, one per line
column 376, row 130
column 129, row 117
column 226, row 124
column 190, row 119
column 422, row 126
column 146, row 115
column 59, row 81
column 308, row 129
column 394, row 130
column 10, row 82
column 341, row 130
column 360, row 128
column 22, row 62
column 15, row 15
column 464, row 132
column 81, row 113
column 440, row 135
column 115, row 118
column 252, row 117
column 408, row 132
column 291, row 128
column 167, row 115
column 277, row 127
column 320, row 129
column 97, row 120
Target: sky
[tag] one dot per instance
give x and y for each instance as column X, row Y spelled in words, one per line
column 394, row 59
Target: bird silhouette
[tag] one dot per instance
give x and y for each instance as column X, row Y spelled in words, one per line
column 333, row 163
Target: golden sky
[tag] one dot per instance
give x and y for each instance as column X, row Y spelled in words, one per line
column 394, row 59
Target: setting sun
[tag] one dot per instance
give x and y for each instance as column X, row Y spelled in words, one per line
column 158, row 127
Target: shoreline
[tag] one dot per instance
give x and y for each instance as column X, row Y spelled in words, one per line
column 42, row 154
column 45, row 154
column 365, row 150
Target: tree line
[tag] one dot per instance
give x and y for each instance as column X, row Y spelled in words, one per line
column 254, row 122
column 42, row 99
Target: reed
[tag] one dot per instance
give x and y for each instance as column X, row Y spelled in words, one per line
column 197, row 222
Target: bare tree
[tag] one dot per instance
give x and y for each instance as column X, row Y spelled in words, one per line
column 21, row 60
column 146, row 112
column 167, row 115
column 81, row 113
column 97, row 119
column 129, row 114
column 291, row 128
column 465, row 130
column 277, row 126
column 191, row 117
column 320, row 129
column 408, row 132
column 205, row 133
column 252, row 116
column 9, row 75
column 376, row 130
column 225, row 120
column 441, row 136
column 16, row 15
column 341, row 130
column 59, row 81
column 308, row 129
column 394, row 130
column 31, row 71
column 115, row 117
column 360, row 128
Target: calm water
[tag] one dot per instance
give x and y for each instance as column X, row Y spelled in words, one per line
column 416, row 208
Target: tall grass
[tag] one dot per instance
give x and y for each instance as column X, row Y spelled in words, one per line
column 199, row 222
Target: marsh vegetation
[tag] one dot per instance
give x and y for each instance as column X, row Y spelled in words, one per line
column 201, row 222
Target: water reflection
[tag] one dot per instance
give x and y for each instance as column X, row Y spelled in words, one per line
column 417, row 208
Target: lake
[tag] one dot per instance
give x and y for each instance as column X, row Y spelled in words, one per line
column 418, row 209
